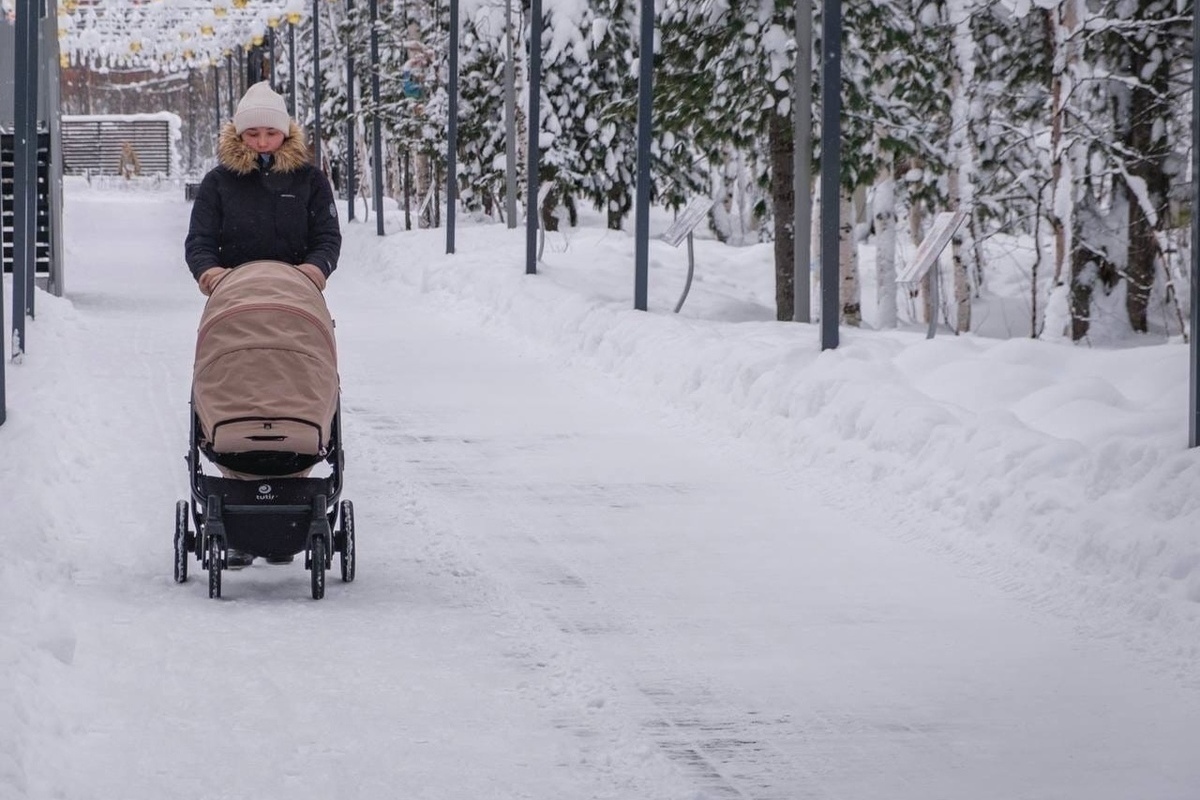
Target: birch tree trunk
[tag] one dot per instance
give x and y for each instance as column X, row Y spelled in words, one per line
column 885, row 244
column 958, row 253
column 1059, row 193
column 849, row 291
column 962, row 195
column 1069, row 201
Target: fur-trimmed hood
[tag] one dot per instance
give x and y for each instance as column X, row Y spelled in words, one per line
column 238, row 157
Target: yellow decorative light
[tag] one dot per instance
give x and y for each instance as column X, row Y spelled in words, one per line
column 206, row 30
column 256, row 40
column 135, row 47
column 220, row 10
column 188, row 55
column 293, row 17
column 64, row 61
column 273, row 22
column 239, row 3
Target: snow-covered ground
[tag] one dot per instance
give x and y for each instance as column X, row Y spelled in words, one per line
column 603, row 553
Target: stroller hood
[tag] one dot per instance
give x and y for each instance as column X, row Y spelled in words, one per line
column 265, row 376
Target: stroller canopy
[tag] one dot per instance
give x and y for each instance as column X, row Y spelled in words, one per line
column 265, row 376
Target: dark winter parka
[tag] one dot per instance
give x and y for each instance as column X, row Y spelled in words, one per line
column 245, row 212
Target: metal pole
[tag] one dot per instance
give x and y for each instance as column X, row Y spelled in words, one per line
column 376, row 123
column 452, row 131
column 4, row 62
column 254, row 65
column 229, row 83
column 802, row 227
column 831, row 168
column 534, row 123
column 270, row 69
column 350, row 188
column 3, row 393
column 510, row 121
column 52, row 86
column 292, row 68
column 645, row 129
column 217, row 93
column 1194, row 333
column 316, row 83
column 407, row 191
column 25, row 143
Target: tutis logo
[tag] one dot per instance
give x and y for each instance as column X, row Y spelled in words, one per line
column 264, row 492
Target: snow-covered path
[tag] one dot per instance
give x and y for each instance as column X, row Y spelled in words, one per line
column 562, row 593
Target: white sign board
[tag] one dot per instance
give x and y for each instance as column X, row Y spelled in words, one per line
column 687, row 220
column 944, row 226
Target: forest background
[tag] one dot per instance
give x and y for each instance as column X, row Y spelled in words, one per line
column 1062, row 129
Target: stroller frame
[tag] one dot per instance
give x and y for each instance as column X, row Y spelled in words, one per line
column 269, row 517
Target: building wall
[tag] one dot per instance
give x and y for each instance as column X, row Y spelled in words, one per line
column 188, row 94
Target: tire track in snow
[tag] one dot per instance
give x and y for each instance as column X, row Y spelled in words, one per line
column 723, row 748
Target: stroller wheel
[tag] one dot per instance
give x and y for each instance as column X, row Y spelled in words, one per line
column 317, row 567
column 182, row 551
column 214, row 568
column 346, row 544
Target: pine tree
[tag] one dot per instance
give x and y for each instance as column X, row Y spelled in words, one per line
column 482, row 155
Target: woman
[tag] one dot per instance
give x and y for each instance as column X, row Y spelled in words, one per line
column 264, row 200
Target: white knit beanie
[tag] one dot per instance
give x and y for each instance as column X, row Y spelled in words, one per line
column 261, row 107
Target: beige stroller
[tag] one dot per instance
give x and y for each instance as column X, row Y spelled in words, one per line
column 265, row 412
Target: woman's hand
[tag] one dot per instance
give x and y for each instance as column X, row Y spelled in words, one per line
column 210, row 278
column 314, row 274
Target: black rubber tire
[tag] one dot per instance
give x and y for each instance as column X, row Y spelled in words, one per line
column 317, row 563
column 181, row 541
column 214, row 569
column 349, row 549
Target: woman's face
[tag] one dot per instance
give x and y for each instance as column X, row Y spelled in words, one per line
column 263, row 140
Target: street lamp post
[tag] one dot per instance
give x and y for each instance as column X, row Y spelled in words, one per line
column 217, row 94
column 831, row 167
column 1193, row 345
column 350, row 188
column 229, row 82
column 802, row 224
column 510, row 121
column 316, row 22
column 376, row 123
column 292, row 66
column 452, row 131
column 645, row 130
column 535, row 125
column 25, row 145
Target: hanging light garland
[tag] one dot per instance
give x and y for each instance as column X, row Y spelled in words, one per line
column 163, row 34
